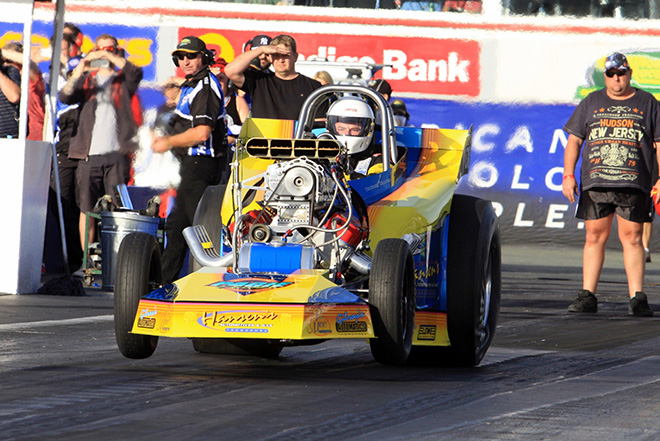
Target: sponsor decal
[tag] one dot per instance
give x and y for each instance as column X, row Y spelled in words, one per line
column 427, row 332
column 239, row 321
column 319, row 325
column 147, row 318
column 350, row 322
column 250, row 285
column 432, row 270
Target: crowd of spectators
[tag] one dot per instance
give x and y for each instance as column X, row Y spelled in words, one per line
column 631, row 9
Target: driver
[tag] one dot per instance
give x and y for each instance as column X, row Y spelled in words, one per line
column 351, row 121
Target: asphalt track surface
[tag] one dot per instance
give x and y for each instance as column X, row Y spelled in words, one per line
column 549, row 375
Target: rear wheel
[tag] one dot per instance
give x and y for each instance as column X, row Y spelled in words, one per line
column 392, row 297
column 138, row 272
column 474, row 279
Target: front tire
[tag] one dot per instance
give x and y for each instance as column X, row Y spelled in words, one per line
column 392, row 297
column 138, row 272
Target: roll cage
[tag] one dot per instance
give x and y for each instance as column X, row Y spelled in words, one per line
column 313, row 102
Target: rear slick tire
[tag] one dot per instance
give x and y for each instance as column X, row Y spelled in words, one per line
column 474, row 279
column 138, row 272
column 392, row 297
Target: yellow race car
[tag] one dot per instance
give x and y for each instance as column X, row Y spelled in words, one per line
column 296, row 250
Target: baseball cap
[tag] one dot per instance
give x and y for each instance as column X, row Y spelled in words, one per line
column 617, row 61
column 191, row 45
column 381, row 86
column 259, row 40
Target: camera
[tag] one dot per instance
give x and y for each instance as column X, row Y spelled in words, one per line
column 99, row 62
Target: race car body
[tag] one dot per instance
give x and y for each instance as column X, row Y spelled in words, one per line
column 299, row 248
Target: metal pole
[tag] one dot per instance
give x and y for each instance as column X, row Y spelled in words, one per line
column 52, row 101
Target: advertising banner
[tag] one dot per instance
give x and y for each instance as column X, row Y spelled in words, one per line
column 423, row 65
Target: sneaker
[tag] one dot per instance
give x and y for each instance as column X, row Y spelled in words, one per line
column 585, row 302
column 647, row 254
column 639, row 306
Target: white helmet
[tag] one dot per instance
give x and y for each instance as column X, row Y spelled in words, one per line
column 351, row 121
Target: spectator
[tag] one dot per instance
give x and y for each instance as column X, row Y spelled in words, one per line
column 273, row 96
column 421, row 6
column 648, row 226
column 10, row 96
column 198, row 139
column 401, row 115
column 163, row 123
column 262, row 62
column 471, row 6
column 236, row 105
column 323, row 77
column 383, row 87
column 615, row 177
column 74, row 36
column 106, row 136
column 13, row 53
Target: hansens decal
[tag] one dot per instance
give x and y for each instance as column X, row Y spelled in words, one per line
column 239, row 321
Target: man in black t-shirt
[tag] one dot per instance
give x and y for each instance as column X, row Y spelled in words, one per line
column 621, row 126
column 278, row 96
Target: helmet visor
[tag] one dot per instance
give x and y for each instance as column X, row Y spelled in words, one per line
column 349, row 125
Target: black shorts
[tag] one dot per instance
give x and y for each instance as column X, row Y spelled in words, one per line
column 629, row 203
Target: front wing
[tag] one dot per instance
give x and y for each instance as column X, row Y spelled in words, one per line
column 300, row 306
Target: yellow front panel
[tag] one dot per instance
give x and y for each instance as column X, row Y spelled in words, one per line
column 253, row 320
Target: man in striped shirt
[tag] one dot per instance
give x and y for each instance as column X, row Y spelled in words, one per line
column 198, row 140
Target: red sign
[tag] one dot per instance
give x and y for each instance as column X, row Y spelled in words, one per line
column 425, row 66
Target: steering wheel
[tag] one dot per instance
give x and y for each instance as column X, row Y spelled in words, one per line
column 326, row 135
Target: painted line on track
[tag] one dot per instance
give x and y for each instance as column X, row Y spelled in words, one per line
column 48, row 323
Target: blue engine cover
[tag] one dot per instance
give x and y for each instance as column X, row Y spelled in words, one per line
column 269, row 258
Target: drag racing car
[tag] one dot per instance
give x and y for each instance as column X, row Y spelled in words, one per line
column 298, row 249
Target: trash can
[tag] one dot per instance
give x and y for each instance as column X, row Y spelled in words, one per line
column 115, row 225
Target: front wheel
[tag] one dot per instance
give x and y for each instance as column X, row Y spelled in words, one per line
column 138, row 272
column 392, row 297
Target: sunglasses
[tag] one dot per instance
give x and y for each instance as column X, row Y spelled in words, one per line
column 620, row 73
column 187, row 55
column 106, row 48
